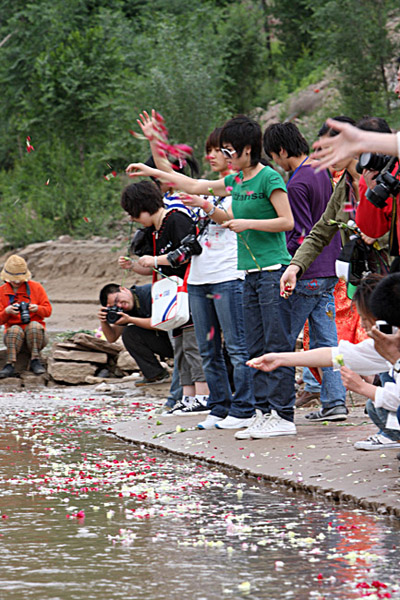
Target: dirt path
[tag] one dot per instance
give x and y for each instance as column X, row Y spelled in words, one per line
column 72, row 273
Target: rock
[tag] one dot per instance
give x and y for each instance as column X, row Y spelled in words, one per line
column 104, row 387
column 80, row 356
column 70, row 372
column 32, row 381
column 126, row 363
column 89, row 341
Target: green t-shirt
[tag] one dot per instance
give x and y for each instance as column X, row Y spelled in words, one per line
column 250, row 200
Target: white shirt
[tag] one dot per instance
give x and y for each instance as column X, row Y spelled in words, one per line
column 365, row 360
column 218, row 261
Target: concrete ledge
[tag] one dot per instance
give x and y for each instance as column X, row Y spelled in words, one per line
column 319, row 460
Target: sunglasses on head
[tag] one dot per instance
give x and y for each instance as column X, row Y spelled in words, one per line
column 228, row 153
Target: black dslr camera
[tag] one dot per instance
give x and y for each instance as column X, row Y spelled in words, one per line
column 23, row 308
column 386, row 185
column 113, row 314
column 189, row 247
column 372, row 162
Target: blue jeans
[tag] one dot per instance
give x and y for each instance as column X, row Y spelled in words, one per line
column 268, row 329
column 175, row 390
column 215, row 314
column 379, row 417
column 310, row 383
column 313, row 300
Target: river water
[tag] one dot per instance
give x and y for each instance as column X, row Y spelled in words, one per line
column 86, row 516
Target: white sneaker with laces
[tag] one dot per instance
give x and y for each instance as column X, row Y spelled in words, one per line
column 272, row 426
column 376, row 442
column 234, row 423
column 210, row 422
column 245, row 434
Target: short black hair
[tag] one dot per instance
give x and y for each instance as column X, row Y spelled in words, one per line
column 142, row 196
column 368, row 123
column 213, row 140
column 285, row 136
column 242, row 131
column 326, row 129
column 110, row 288
column 362, row 295
column 385, row 300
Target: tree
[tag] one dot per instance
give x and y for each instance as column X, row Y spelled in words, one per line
column 354, row 36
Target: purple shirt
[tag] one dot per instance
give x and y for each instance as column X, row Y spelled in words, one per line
column 309, row 193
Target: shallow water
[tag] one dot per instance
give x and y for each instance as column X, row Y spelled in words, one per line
column 87, row 516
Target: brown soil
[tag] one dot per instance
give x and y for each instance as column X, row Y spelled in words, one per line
column 72, row 273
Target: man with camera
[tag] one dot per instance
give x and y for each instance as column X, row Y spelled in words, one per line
column 23, row 307
column 121, row 307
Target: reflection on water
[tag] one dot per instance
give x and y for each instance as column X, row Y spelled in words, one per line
column 87, row 516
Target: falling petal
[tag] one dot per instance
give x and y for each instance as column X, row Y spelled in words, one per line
column 211, row 333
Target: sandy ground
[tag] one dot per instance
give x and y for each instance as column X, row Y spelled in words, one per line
column 72, row 273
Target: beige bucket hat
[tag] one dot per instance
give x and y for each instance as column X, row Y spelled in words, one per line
column 15, row 269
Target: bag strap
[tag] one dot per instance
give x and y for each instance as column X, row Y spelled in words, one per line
column 183, row 287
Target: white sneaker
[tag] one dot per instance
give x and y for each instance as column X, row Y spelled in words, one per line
column 210, row 422
column 245, row 434
column 272, row 426
column 376, row 442
column 233, row 423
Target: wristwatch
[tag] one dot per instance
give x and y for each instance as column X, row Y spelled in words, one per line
column 210, row 212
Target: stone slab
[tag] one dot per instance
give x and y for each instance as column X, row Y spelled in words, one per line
column 320, row 459
column 80, row 356
column 70, row 372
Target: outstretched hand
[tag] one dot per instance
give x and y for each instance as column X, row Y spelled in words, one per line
column 139, row 170
column 331, row 150
column 147, row 123
column 191, row 200
column 266, row 362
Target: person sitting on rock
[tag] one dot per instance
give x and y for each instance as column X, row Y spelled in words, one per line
column 23, row 307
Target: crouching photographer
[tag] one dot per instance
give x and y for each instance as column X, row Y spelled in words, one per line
column 127, row 313
column 23, row 307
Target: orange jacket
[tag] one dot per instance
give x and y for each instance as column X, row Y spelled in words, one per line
column 37, row 296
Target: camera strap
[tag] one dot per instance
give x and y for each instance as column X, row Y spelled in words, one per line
column 12, row 297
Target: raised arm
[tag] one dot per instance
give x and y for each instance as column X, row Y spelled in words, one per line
column 179, row 181
column 319, row 357
column 149, row 127
column 350, row 141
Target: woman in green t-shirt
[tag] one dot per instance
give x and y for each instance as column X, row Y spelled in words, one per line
column 260, row 214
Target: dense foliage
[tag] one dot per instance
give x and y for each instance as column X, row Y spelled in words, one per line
column 74, row 76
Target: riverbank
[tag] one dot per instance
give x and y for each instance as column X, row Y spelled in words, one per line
column 319, row 460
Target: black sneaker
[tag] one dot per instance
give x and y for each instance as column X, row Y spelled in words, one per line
column 181, row 404
column 196, row 407
column 162, row 378
column 37, row 367
column 7, row 371
column 337, row 413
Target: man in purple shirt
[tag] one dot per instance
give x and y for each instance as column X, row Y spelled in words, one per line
column 309, row 193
